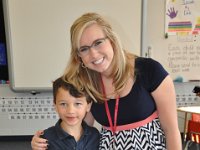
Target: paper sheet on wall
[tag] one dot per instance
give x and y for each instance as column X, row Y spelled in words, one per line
column 182, row 28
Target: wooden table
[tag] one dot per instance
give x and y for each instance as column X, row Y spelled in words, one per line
column 186, row 110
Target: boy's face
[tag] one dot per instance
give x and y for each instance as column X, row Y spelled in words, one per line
column 70, row 109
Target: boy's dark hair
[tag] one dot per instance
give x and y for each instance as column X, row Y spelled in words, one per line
column 60, row 83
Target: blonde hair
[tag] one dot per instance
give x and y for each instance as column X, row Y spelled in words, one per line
column 89, row 80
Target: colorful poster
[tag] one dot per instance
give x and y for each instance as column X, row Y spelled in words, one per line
column 182, row 17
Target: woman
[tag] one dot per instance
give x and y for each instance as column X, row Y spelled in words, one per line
column 134, row 97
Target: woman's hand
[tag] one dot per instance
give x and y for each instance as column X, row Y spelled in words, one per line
column 39, row 143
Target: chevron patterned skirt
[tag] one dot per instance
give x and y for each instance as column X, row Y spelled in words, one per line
column 147, row 137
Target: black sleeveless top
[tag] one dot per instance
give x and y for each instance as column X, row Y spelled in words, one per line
column 138, row 104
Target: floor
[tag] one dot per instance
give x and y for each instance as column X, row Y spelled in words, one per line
column 15, row 143
column 190, row 145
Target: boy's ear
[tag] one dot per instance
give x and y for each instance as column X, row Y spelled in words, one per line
column 89, row 107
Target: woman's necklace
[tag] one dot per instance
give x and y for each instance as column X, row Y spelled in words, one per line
column 112, row 126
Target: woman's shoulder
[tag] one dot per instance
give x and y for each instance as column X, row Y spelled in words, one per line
column 144, row 60
column 147, row 64
column 149, row 72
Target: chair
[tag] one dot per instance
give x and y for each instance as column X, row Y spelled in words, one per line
column 196, row 117
column 193, row 131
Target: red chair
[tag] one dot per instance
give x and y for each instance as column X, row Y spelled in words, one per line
column 196, row 117
column 193, row 132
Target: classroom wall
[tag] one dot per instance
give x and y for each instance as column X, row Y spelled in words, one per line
column 38, row 35
column 38, row 46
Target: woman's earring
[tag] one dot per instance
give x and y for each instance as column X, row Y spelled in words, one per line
column 82, row 64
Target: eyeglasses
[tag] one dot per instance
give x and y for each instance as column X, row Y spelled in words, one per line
column 97, row 45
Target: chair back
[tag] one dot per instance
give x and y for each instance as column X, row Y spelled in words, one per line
column 196, row 117
column 194, row 128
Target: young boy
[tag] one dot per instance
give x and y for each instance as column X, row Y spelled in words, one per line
column 71, row 132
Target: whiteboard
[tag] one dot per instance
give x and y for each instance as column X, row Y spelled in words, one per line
column 180, row 53
column 38, row 35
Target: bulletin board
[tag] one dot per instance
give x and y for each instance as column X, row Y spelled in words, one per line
column 174, row 37
column 38, row 35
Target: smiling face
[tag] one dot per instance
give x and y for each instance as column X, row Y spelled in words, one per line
column 98, row 59
column 71, row 110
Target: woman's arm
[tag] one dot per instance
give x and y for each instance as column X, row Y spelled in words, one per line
column 165, row 99
column 89, row 119
column 38, row 143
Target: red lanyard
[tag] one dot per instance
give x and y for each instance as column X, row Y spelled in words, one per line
column 113, row 127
